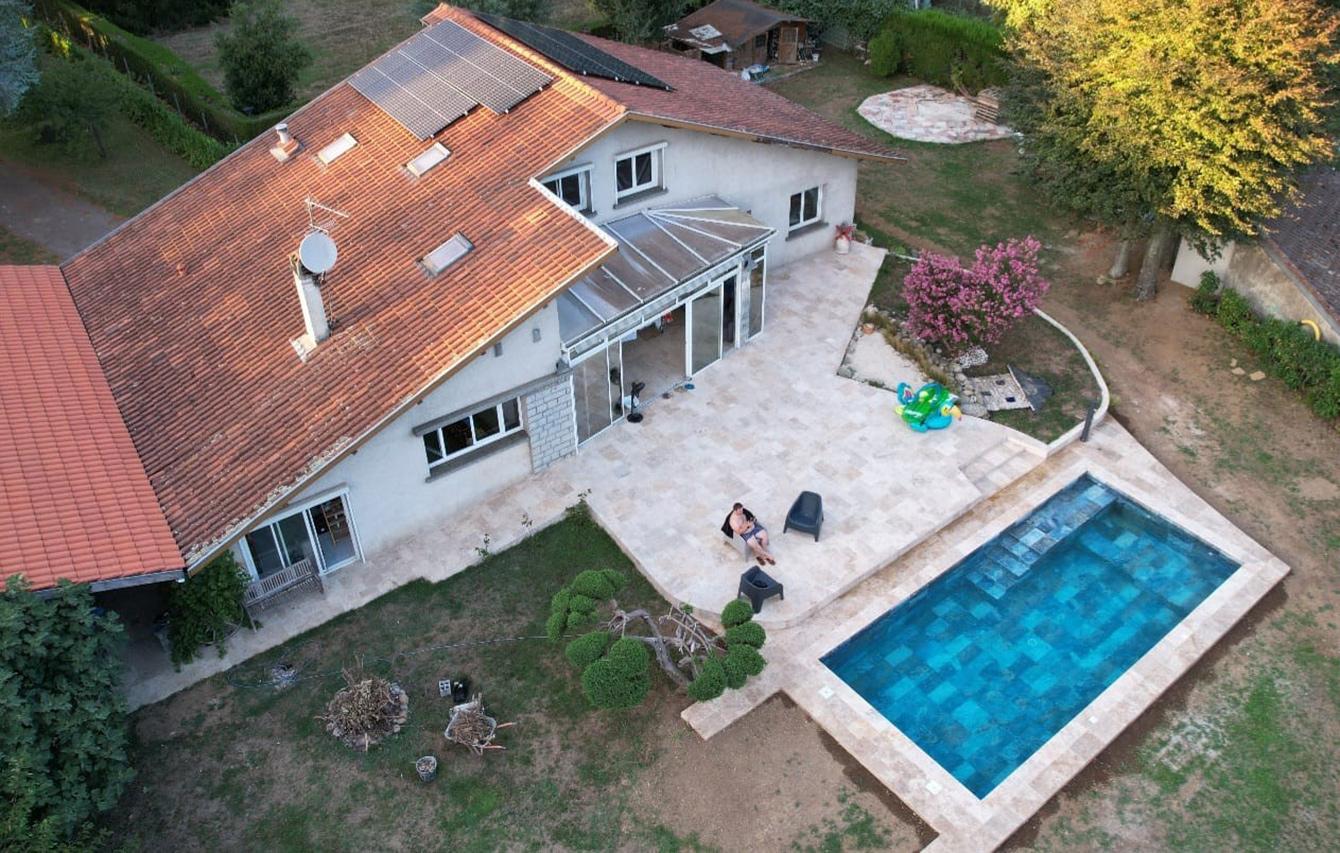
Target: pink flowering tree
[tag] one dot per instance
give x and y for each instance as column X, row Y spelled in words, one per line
column 960, row 307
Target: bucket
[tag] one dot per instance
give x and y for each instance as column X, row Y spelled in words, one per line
column 426, row 768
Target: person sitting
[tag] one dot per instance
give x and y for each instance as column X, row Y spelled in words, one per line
column 754, row 534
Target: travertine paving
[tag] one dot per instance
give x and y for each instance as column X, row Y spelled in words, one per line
column 964, row 821
column 768, row 420
column 929, row 114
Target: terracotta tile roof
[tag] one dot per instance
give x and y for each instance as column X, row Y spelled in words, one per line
column 191, row 306
column 1308, row 235
column 736, row 20
column 74, row 501
column 708, row 97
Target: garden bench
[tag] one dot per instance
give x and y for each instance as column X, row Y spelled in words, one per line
column 267, row 591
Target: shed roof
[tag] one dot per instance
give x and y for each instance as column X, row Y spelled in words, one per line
column 1308, row 234
column 75, row 503
column 736, row 21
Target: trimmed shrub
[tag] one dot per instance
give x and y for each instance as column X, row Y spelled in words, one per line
column 149, row 16
column 745, row 658
column 1299, row 359
column 886, row 52
column 599, row 584
column 206, row 607
column 1234, row 313
column 710, row 683
column 556, row 624
column 587, row 649
column 945, row 49
column 736, row 612
column 620, row 679
column 747, row 633
column 579, row 603
column 735, row 672
column 1205, row 298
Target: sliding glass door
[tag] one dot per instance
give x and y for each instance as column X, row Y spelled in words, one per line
column 321, row 533
column 597, row 387
column 705, row 330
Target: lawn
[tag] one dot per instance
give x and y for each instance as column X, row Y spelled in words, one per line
column 342, row 35
column 16, row 250
column 234, row 764
column 136, row 173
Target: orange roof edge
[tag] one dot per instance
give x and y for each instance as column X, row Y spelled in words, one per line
column 66, row 452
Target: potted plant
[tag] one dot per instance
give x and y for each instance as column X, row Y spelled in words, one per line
column 842, row 242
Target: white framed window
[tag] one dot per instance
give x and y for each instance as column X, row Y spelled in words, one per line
column 638, row 171
column 573, row 186
column 806, row 206
column 471, row 431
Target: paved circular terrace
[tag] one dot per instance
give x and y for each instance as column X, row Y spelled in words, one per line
column 929, row 114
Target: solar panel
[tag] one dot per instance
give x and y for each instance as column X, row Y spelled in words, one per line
column 440, row 74
column 572, row 52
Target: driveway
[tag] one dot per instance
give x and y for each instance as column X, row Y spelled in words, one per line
column 57, row 220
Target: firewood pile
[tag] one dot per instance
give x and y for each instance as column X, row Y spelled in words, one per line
column 366, row 711
column 471, row 727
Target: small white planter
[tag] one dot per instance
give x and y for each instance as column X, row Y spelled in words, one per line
column 842, row 245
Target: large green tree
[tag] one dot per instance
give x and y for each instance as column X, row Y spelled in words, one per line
column 639, row 20
column 260, row 55
column 62, row 718
column 1167, row 116
column 18, row 54
column 71, row 105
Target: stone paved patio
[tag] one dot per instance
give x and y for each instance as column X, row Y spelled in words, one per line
column 929, row 114
column 964, row 821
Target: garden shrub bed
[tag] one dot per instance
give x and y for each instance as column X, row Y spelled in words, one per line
column 1289, row 351
column 942, row 48
column 169, row 76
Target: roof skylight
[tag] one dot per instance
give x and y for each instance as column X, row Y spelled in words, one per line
column 428, row 159
column 447, row 254
column 331, row 152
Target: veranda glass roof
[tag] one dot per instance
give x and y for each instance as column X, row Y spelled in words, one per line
column 658, row 251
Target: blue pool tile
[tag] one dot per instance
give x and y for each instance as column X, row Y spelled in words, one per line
column 986, row 663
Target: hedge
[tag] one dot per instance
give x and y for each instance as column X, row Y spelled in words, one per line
column 940, row 48
column 143, row 16
column 1289, row 351
column 168, row 75
column 162, row 122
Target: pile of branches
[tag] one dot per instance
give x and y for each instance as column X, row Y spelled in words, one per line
column 366, row 711
column 471, row 727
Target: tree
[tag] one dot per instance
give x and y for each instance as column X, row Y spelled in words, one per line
column 62, row 717
column 205, row 608
column 522, row 10
column 960, row 307
column 1161, row 116
column 615, row 658
column 261, row 59
column 18, row 54
column 71, row 105
column 639, row 20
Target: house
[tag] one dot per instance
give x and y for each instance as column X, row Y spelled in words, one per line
column 735, row 34
column 448, row 271
column 1293, row 271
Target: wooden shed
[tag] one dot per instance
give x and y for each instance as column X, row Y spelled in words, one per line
column 735, row 34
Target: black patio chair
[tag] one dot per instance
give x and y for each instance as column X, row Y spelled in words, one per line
column 757, row 586
column 806, row 515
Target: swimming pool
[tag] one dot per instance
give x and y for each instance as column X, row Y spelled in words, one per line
column 983, row 665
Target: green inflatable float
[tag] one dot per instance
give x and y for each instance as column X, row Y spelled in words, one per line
column 931, row 407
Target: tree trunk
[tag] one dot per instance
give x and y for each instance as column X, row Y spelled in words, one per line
column 658, row 646
column 1121, row 264
column 97, row 138
column 1156, row 255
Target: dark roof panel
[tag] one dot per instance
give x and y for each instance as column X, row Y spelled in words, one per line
column 571, row 52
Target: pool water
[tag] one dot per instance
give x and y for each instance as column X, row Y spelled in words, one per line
column 984, row 664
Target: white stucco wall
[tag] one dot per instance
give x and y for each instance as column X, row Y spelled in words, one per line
column 388, row 491
column 757, row 177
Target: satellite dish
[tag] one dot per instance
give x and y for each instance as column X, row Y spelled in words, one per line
column 317, row 252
